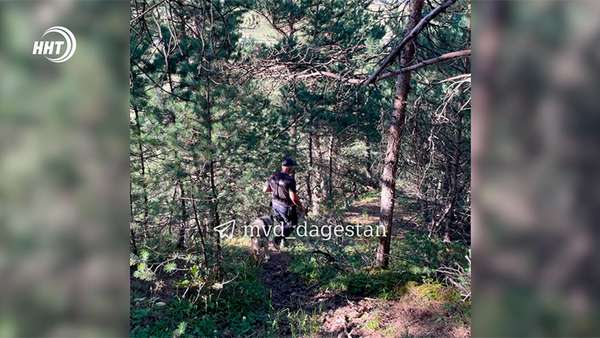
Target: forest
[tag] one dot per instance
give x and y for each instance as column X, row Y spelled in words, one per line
column 371, row 98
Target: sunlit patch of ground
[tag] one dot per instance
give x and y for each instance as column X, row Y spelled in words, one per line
column 412, row 315
column 365, row 211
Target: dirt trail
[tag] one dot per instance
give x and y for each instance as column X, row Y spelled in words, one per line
column 366, row 211
column 287, row 289
column 350, row 316
column 342, row 315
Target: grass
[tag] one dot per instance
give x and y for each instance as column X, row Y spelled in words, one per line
column 236, row 308
column 303, row 324
column 178, row 318
column 242, row 306
column 373, row 324
column 239, row 308
column 414, row 258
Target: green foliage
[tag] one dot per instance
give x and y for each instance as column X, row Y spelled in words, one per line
column 303, row 324
column 432, row 291
column 143, row 270
column 170, row 267
column 373, row 324
column 210, row 120
column 312, row 270
column 237, row 308
column 144, row 273
column 422, row 255
column 360, row 280
column 180, row 330
column 417, row 258
column 382, row 284
column 178, row 318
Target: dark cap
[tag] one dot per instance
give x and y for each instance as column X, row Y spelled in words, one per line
column 288, row 162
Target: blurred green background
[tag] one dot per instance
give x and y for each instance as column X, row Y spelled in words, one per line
column 64, row 172
column 535, row 169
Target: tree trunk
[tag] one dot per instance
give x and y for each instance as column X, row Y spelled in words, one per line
column 369, row 165
column 320, row 186
column 172, row 210
column 138, row 131
column 133, row 241
column 388, row 178
column 330, row 176
column 215, row 219
column 184, row 217
column 201, row 233
column 455, row 190
column 309, row 171
column 205, row 72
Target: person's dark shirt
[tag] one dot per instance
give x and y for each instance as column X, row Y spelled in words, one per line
column 281, row 184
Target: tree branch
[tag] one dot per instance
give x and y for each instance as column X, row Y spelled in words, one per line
column 441, row 58
column 411, row 35
column 146, row 12
column 437, row 59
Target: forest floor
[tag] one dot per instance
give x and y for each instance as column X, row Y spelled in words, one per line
column 339, row 315
column 335, row 314
column 313, row 288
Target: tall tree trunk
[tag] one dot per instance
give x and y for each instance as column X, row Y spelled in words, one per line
column 172, row 210
column 455, row 190
column 201, row 233
column 208, row 120
column 293, row 135
column 133, row 241
column 138, row 131
column 330, row 176
column 369, row 165
column 215, row 219
column 390, row 165
column 309, row 171
column 184, row 217
column 320, row 186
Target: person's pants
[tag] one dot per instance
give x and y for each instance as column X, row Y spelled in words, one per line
column 287, row 217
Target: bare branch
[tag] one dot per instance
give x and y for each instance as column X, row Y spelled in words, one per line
column 410, row 36
column 437, row 59
column 441, row 58
column 146, row 12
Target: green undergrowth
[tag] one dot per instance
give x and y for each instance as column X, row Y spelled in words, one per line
column 348, row 267
column 350, row 277
column 236, row 307
column 423, row 256
column 241, row 305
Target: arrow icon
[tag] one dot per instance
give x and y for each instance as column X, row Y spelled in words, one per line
column 226, row 229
